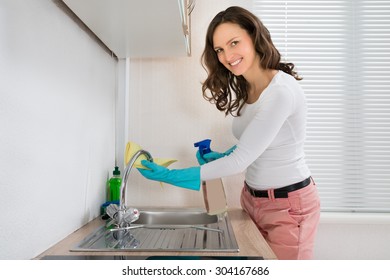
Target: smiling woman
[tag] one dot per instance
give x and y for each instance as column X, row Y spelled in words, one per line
column 237, row 47
column 247, row 79
column 230, row 36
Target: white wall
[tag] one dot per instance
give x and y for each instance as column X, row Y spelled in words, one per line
column 168, row 114
column 357, row 236
column 56, row 124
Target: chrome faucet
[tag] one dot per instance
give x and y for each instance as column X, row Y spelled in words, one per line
column 121, row 214
column 122, row 200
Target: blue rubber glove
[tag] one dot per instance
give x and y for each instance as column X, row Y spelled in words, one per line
column 212, row 155
column 188, row 178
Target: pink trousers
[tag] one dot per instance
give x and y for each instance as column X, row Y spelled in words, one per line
column 289, row 225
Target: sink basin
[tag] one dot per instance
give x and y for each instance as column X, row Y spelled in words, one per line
column 174, row 217
column 166, row 230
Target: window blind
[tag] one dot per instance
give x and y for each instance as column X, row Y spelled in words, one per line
column 341, row 48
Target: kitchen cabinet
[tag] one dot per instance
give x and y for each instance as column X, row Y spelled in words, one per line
column 143, row 28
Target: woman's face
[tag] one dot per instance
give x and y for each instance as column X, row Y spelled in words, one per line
column 234, row 48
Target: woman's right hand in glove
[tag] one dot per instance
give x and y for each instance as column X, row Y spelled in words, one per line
column 212, row 155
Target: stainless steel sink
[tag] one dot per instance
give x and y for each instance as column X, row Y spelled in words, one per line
column 166, row 230
column 175, row 217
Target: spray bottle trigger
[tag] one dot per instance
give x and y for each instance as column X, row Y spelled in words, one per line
column 204, row 146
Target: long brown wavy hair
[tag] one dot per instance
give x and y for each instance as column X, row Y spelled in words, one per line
column 220, row 81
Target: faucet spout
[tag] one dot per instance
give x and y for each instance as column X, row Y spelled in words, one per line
column 123, row 216
column 122, row 200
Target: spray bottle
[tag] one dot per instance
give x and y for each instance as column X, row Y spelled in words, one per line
column 214, row 196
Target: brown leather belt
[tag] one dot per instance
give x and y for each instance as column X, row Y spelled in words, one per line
column 281, row 192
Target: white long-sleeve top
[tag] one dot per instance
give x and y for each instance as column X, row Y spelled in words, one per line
column 271, row 134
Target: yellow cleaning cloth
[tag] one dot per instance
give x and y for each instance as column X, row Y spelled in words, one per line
column 132, row 148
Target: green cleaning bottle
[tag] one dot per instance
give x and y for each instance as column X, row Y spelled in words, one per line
column 115, row 184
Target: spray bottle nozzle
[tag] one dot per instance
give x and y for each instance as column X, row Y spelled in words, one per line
column 204, row 146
